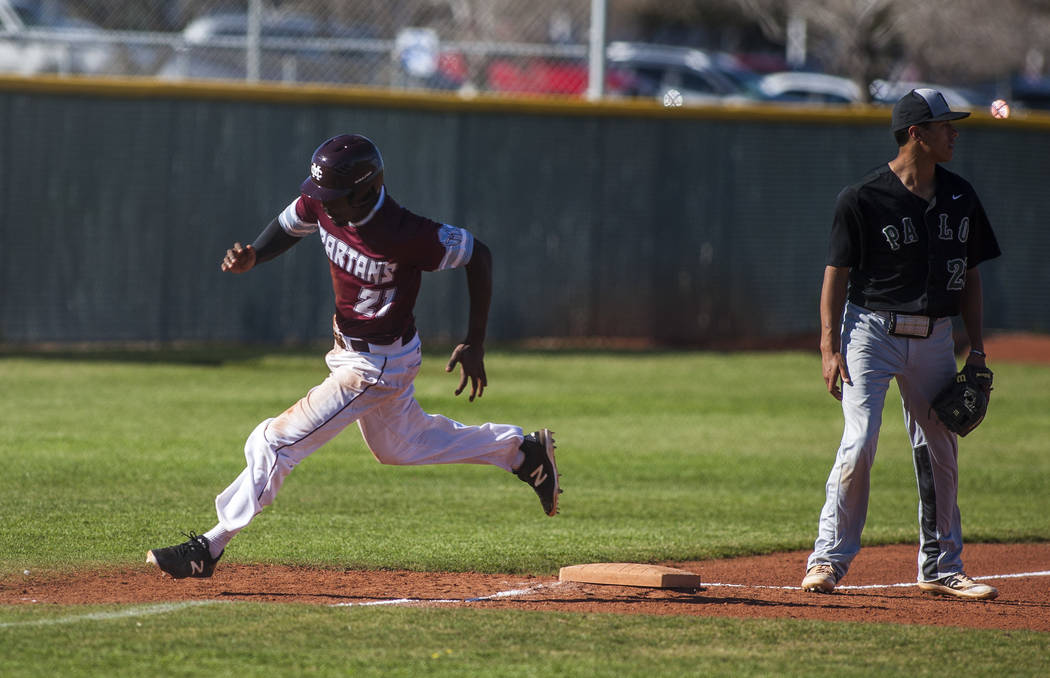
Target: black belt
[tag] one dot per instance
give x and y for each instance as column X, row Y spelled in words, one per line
column 362, row 346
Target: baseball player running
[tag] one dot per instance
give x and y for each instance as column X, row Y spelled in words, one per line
column 905, row 244
column 377, row 251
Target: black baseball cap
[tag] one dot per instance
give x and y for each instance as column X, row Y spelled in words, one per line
column 922, row 105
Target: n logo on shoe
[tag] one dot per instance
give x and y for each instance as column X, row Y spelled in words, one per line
column 538, row 476
column 196, row 567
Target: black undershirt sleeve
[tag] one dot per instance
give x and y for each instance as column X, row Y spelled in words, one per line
column 272, row 242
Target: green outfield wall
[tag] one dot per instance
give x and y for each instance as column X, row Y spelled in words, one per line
column 685, row 226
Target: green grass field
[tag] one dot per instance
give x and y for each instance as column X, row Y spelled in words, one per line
column 664, row 456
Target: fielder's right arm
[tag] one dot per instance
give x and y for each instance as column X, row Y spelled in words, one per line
column 832, row 304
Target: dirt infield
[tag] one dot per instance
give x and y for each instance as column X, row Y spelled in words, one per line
column 1018, row 347
column 1001, row 346
column 759, row 586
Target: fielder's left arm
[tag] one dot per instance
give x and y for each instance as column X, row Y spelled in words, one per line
column 972, row 311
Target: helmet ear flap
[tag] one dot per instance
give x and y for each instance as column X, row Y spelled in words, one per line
column 368, row 194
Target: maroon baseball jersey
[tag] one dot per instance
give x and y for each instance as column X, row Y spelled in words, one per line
column 376, row 264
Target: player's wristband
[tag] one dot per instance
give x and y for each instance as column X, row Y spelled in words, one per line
column 980, row 354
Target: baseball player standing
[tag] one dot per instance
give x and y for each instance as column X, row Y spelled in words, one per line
column 905, row 244
column 377, row 251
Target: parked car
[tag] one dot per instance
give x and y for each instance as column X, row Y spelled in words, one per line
column 1030, row 92
column 632, row 70
column 648, row 70
column 809, row 87
column 42, row 37
column 291, row 50
column 890, row 92
column 537, row 75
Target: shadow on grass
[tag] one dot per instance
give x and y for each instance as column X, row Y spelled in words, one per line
column 214, row 355
column 218, row 353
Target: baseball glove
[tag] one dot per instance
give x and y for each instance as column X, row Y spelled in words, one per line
column 962, row 404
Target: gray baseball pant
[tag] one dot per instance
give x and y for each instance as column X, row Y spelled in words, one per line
column 921, row 367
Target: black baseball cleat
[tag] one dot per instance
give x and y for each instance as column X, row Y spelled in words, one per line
column 188, row 559
column 539, row 469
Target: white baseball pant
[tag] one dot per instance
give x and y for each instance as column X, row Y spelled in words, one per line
column 374, row 389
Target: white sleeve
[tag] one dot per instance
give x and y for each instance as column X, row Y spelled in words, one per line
column 292, row 224
column 458, row 244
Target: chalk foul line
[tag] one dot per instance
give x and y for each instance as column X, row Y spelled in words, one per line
column 513, row 593
column 137, row 611
column 859, row 587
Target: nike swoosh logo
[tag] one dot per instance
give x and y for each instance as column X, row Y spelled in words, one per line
column 956, row 197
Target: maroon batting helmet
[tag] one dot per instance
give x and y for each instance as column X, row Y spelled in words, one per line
column 345, row 166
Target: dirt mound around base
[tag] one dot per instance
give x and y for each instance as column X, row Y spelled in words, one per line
column 878, row 588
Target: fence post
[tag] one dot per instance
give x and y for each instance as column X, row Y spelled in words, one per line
column 253, row 30
column 596, row 56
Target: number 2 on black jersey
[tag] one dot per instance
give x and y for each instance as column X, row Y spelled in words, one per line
column 957, row 274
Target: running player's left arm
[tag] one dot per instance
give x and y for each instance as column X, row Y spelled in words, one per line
column 470, row 354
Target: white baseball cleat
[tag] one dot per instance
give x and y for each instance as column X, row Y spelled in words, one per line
column 959, row 586
column 820, row 578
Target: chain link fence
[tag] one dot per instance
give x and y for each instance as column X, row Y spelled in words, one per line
column 547, row 47
column 502, row 46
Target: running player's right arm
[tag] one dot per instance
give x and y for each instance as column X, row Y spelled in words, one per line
column 832, row 304
column 272, row 242
column 278, row 237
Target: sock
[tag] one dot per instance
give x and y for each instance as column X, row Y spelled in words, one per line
column 519, row 459
column 218, row 538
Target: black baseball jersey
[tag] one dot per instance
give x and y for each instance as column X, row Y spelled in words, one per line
column 906, row 254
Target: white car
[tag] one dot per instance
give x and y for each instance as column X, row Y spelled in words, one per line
column 39, row 37
column 890, row 92
column 294, row 48
column 808, row 87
